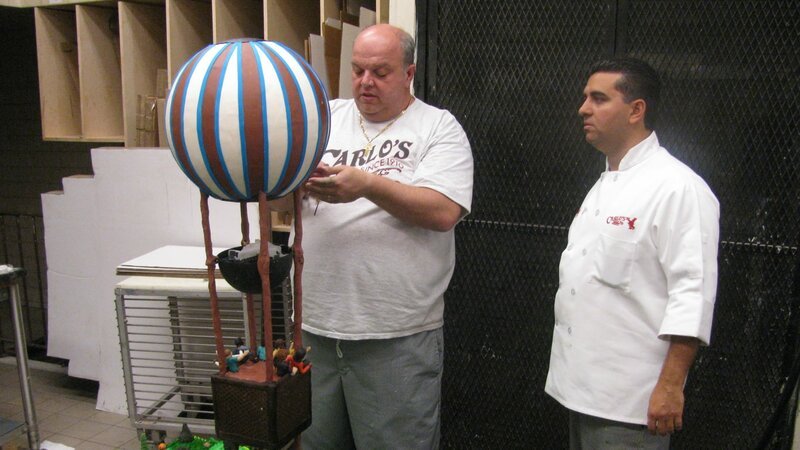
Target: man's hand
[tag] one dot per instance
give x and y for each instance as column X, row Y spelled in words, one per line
column 418, row 206
column 665, row 412
column 338, row 184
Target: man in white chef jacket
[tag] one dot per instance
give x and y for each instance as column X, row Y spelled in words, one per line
column 638, row 279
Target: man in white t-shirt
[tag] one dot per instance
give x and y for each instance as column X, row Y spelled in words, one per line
column 379, row 248
column 638, row 278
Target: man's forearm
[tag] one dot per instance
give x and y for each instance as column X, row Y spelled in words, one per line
column 665, row 412
column 680, row 357
column 417, row 206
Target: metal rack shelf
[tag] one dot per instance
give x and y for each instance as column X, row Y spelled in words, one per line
column 168, row 351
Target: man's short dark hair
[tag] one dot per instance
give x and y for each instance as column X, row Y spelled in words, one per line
column 638, row 81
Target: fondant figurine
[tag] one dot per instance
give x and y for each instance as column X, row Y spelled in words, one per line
column 297, row 361
column 261, row 353
column 241, row 348
column 279, row 356
column 233, row 361
column 282, row 368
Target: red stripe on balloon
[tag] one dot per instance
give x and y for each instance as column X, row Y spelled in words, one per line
column 176, row 121
column 209, row 120
column 254, row 126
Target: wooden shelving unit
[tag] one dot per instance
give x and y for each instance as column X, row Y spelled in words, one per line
column 97, row 59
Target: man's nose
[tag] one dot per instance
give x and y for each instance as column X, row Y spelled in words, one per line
column 366, row 79
column 584, row 110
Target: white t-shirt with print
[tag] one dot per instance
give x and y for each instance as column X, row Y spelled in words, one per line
column 368, row 275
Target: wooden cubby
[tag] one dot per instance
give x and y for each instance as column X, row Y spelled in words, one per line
column 99, row 73
column 291, row 21
column 237, row 19
column 59, row 89
column 143, row 44
column 189, row 29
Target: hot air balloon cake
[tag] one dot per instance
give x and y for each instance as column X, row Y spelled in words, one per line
column 247, row 121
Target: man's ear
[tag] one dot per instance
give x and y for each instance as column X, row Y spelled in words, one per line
column 638, row 110
column 410, row 71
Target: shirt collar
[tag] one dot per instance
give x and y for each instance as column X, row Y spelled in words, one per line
column 639, row 152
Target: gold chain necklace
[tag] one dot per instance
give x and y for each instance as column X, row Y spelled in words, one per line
column 368, row 148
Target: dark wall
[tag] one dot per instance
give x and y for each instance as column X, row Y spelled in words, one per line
column 29, row 166
column 512, row 72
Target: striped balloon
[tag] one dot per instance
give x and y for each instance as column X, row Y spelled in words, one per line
column 247, row 116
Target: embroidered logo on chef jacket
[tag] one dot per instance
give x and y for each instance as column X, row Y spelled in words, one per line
column 622, row 220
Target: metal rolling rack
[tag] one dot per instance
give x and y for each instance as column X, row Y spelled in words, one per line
column 168, row 350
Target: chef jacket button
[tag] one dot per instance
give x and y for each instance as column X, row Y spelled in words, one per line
column 597, row 212
column 572, row 291
column 569, row 247
column 615, row 177
column 584, row 252
column 569, row 330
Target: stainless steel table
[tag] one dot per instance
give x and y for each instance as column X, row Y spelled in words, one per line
column 9, row 278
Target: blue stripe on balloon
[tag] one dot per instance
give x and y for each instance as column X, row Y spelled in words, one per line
column 200, row 140
column 287, row 108
column 305, row 114
column 318, row 102
column 200, row 184
column 242, row 137
column 319, row 147
column 217, row 116
column 264, row 117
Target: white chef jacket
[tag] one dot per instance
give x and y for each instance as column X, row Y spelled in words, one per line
column 640, row 265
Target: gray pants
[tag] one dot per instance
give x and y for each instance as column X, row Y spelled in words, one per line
column 376, row 393
column 593, row 433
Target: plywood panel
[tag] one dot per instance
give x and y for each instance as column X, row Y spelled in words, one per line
column 236, row 19
column 59, row 88
column 291, row 21
column 382, row 11
column 316, row 46
column 143, row 44
column 349, row 33
column 189, row 29
column 99, row 72
column 333, row 54
column 329, row 9
column 366, row 18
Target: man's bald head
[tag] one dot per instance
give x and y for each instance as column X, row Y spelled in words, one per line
column 404, row 40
